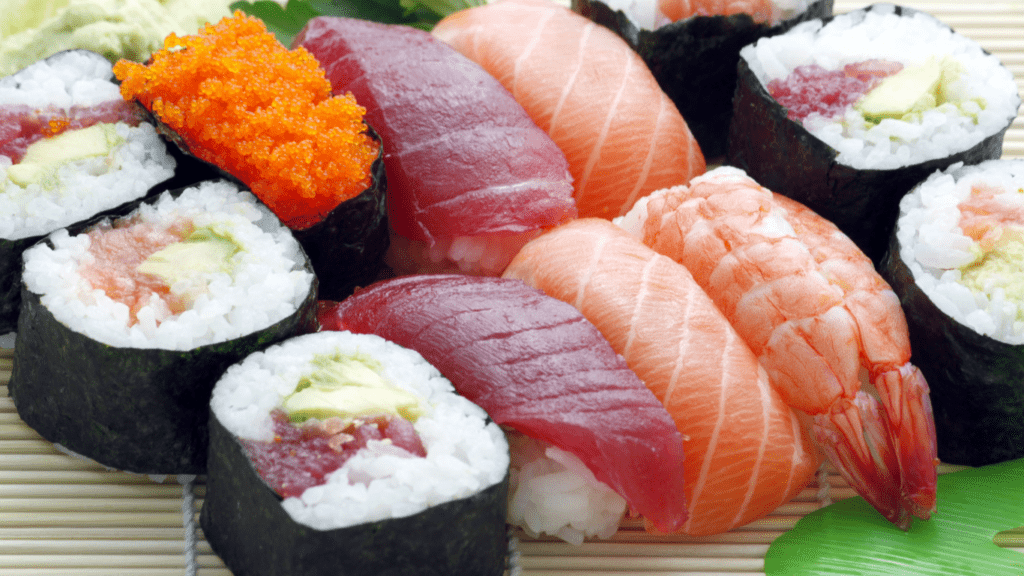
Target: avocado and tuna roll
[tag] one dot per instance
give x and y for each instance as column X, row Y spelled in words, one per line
column 343, row 454
column 126, row 323
column 847, row 114
column 70, row 148
column 956, row 261
column 236, row 98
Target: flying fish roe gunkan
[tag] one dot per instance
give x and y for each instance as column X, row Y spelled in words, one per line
column 242, row 101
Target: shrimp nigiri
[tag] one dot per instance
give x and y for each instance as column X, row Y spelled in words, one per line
column 827, row 328
column 746, row 451
column 593, row 94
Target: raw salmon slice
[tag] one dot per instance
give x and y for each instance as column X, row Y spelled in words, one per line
column 535, row 364
column 590, row 91
column 746, row 452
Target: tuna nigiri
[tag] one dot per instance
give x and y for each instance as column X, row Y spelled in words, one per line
column 745, row 450
column 535, row 364
column 470, row 176
column 590, row 91
column 825, row 325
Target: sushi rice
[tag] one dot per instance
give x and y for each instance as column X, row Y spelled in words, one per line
column 941, row 255
column 980, row 101
column 466, row 452
column 552, row 491
column 268, row 281
column 136, row 159
column 645, row 14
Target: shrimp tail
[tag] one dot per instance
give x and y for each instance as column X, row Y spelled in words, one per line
column 914, row 437
column 888, row 456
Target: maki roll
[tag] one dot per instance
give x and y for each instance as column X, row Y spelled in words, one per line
column 70, row 148
column 235, row 97
column 127, row 323
column 846, row 115
column 955, row 261
column 692, row 48
column 336, row 453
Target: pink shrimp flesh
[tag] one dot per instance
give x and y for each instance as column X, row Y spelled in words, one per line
column 826, row 327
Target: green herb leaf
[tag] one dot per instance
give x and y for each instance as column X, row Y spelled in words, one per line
column 282, row 22
column 850, row 538
column 286, row 22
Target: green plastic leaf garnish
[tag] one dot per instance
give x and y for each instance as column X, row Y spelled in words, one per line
column 287, row 21
column 849, row 538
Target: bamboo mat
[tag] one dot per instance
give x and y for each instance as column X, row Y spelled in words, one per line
column 62, row 516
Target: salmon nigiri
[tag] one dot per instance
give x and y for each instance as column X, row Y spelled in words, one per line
column 746, row 452
column 590, row 91
column 826, row 326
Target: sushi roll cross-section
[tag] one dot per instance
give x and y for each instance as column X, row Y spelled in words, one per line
column 127, row 323
column 70, row 148
column 398, row 474
column 235, row 97
column 847, row 114
column 955, row 260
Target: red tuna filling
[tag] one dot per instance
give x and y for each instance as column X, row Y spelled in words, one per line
column 21, row 125
column 812, row 89
column 301, row 456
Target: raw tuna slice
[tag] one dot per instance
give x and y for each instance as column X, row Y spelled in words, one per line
column 535, row 364
column 463, row 159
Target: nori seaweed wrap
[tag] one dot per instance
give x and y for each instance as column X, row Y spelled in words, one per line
column 855, row 166
column 695, row 59
column 70, row 148
column 274, row 125
column 436, row 509
column 125, row 378
column 956, row 270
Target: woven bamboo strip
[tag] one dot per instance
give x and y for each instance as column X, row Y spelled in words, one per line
column 105, row 491
column 66, row 534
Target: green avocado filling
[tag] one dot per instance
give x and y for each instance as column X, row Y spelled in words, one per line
column 915, row 90
column 44, row 158
column 205, row 251
column 348, row 387
column 1002, row 267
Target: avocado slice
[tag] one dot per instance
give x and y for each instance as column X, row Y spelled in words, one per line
column 204, row 251
column 348, row 387
column 44, row 157
column 913, row 89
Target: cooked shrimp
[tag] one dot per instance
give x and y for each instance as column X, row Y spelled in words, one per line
column 826, row 327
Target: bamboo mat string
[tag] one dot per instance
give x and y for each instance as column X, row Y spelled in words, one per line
column 188, row 522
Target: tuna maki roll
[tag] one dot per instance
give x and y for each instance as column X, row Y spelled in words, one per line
column 127, row 323
column 956, row 262
column 236, row 98
column 693, row 47
column 846, row 115
column 70, row 148
column 336, row 453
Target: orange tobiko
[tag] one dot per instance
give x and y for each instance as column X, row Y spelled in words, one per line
column 240, row 100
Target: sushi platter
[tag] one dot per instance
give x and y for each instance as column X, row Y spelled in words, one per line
column 65, row 515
